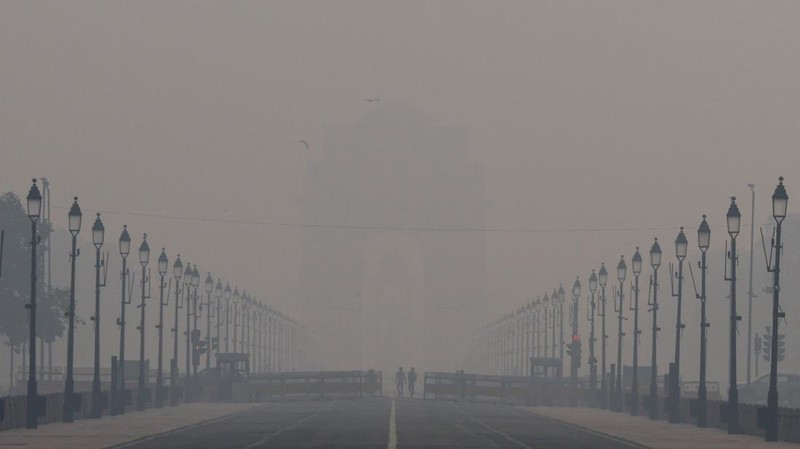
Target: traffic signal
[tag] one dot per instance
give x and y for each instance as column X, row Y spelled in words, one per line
column 195, row 336
column 781, row 347
column 574, row 350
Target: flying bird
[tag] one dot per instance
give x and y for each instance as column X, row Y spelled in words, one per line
column 304, row 143
column 371, row 100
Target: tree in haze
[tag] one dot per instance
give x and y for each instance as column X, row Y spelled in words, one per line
column 15, row 281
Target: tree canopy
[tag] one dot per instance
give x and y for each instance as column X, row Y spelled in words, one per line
column 15, row 280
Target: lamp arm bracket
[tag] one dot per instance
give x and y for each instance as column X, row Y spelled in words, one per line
column 691, row 272
column 727, row 256
column 104, row 265
column 767, row 259
column 130, row 289
column 672, row 276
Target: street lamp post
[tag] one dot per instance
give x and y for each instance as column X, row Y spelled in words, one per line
column 636, row 267
column 187, row 286
column 555, row 301
column 750, row 294
column 117, row 404
column 227, row 295
column 218, row 297
column 177, row 273
column 655, row 262
column 780, row 201
column 163, row 264
column 244, row 324
column 209, row 286
column 98, row 236
column 734, row 219
column 703, row 241
column 602, row 277
column 591, row 317
column 75, row 217
column 622, row 270
column 236, row 297
column 195, row 331
column 34, row 203
column 144, row 259
column 545, row 313
column 561, row 300
column 681, row 248
column 575, row 350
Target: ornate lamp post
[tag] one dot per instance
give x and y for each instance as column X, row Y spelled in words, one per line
column 780, row 201
column 561, row 300
column 555, row 301
column 622, row 270
column 195, row 331
column 602, row 278
column 734, row 218
column 575, row 350
column 227, row 295
column 163, row 265
column 591, row 315
column 218, row 297
column 98, row 236
column 177, row 273
column 236, row 297
column 187, row 286
column 681, row 248
column 144, row 259
column 244, row 306
column 545, row 328
column 118, row 406
column 703, row 241
column 636, row 267
column 75, row 217
column 34, row 203
column 655, row 262
column 209, row 286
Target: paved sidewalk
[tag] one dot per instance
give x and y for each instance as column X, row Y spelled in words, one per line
column 114, row 430
column 655, row 434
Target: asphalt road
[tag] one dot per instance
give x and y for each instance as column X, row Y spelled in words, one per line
column 371, row 423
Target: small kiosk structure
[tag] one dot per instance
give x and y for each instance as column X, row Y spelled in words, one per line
column 234, row 372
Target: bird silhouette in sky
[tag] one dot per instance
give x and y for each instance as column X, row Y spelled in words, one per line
column 305, row 143
column 372, row 100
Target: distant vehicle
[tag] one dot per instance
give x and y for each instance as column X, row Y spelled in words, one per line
column 788, row 390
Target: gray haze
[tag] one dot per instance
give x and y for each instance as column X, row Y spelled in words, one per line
column 587, row 128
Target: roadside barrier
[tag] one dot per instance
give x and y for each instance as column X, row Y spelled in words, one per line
column 315, row 385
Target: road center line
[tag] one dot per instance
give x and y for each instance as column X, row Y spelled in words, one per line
column 392, row 428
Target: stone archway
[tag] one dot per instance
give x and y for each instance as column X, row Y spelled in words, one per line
column 392, row 303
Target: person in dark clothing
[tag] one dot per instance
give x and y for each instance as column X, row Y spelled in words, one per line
column 400, row 380
column 412, row 379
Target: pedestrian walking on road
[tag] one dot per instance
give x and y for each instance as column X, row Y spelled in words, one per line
column 412, row 379
column 400, row 381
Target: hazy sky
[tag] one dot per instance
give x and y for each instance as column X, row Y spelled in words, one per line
column 586, row 115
